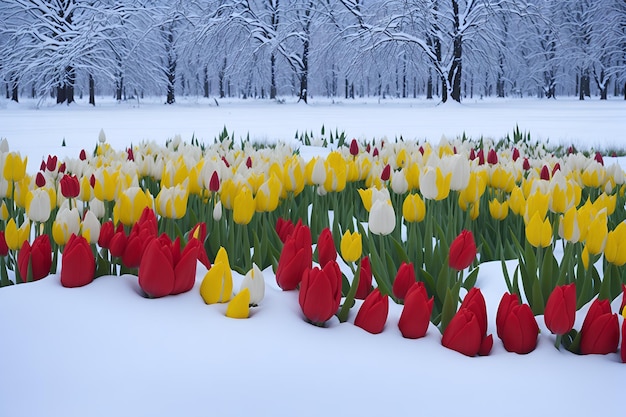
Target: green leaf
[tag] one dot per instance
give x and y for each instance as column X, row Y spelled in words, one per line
column 450, row 304
column 470, row 281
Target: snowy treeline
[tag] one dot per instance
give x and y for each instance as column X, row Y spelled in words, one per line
column 445, row 49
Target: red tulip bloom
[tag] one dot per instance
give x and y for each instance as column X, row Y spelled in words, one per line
column 51, row 163
column 475, row 301
column 164, row 270
column 78, row 265
column 507, row 302
column 354, row 147
column 557, row 167
column 600, row 331
column 40, row 180
column 481, row 157
column 4, row 248
column 320, row 293
column 462, row 251
column 82, row 155
column 492, row 157
column 598, row 158
column 384, row 176
column 284, row 228
column 106, row 234
column 214, row 182
column 70, row 187
column 326, row 250
column 545, row 173
column 621, row 308
column 118, row 242
column 416, row 312
column 463, row 333
column 526, row 164
column 623, row 347
column 515, row 155
column 365, row 279
column 405, row 278
column 295, row 258
column 560, row 311
column 39, row 255
column 373, row 312
column 472, row 154
column 519, row 329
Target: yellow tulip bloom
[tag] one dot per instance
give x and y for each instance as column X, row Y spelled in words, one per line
column 537, row 202
column 14, row 167
column 217, row 285
column 434, row 185
column 498, row 210
column 569, row 228
column 243, row 206
column 597, row 234
column 106, row 187
column 239, row 306
column 336, row 172
column 538, row 231
column 130, row 205
column 293, row 175
column 171, row 202
column 615, row 248
column 268, row 195
column 351, row 246
column 517, row 202
column 228, row 193
column 15, row 237
column 502, row 179
column 593, row 175
column 412, row 174
column 4, row 212
column 413, row 208
column 86, row 192
column 366, row 197
column 605, row 201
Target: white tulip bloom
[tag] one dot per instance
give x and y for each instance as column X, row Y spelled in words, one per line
column 255, row 283
column 382, row 218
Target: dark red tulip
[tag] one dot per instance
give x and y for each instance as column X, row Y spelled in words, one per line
column 106, row 234
column 284, row 228
column 623, row 346
column 507, row 302
column 475, row 301
column 39, row 255
column 421, row 150
column 225, row 162
column 62, row 168
column 365, row 279
column 472, row 154
column 519, row 329
column 83, row 155
column 78, row 265
column 492, row 157
column 214, row 182
column 51, row 163
column 463, row 333
column 295, row 258
column 42, row 167
column 320, row 293
column 249, row 162
column 555, row 168
column 40, row 180
column 560, row 311
column 416, row 312
column 354, row 147
column 405, row 278
column 526, row 164
column 70, row 187
column 545, row 173
column 485, row 346
column 326, row 250
column 372, row 315
column 515, row 155
column 600, row 331
column 92, row 181
column 4, row 248
column 375, row 152
column 384, row 176
column 130, row 154
column 598, row 158
column 462, row 251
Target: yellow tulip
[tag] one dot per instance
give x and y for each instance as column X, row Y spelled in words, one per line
column 366, row 197
column 268, row 195
column 538, row 231
column 434, row 185
column 498, row 210
column 4, row 212
column 606, row 201
column 105, row 188
column 86, row 192
column 569, row 228
column 293, row 175
column 475, row 188
column 15, row 237
column 401, row 158
column 171, row 202
column 537, row 202
column 597, row 234
column 502, row 179
column 351, row 246
column 67, row 222
column 14, row 167
column 243, row 206
column 217, row 285
column 228, row 193
column 336, row 172
column 584, row 256
column 517, row 202
column 412, row 174
column 615, row 248
column 593, row 175
column 413, row 208
column 474, row 209
column 239, row 306
column 22, row 188
column 130, row 205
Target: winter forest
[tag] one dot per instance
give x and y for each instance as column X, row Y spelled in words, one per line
column 440, row 49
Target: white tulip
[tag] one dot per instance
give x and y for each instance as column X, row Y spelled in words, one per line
column 399, row 184
column 382, row 218
column 255, row 283
column 91, row 227
column 38, row 205
column 217, row 211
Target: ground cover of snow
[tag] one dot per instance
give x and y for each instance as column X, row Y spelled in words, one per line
column 104, row 350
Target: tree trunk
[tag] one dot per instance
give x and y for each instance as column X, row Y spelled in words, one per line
column 220, row 77
column 171, row 68
column 92, row 90
column 304, row 73
column 14, row 91
column 429, row 86
column 273, row 77
column 205, row 83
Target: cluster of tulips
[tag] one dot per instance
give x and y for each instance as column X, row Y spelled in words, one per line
column 413, row 222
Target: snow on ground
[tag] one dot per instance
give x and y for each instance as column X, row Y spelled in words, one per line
column 104, row 350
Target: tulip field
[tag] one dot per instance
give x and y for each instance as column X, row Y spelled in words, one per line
column 312, row 274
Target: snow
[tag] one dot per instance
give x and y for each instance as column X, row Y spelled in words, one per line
column 104, row 350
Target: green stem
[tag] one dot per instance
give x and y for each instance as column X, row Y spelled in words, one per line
column 349, row 300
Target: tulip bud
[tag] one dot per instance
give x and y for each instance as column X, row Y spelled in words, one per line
column 351, row 246
column 560, row 311
column 462, row 251
column 255, row 283
column 600, row 331
column 405, row 278
column 373, row 312
column 416, row 312
column 239, row 306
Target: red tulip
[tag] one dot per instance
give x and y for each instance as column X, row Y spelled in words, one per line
column 320, row 293
column 545, row 173
column 560, row 311
column 40, row 180
column 39, row 255
column 405, row 278
column 131, row 154
column 481, row 157
column 384, row 176
column 326, row 250
column 598, row 158
column 51, row 163
column 519, row 329
column 142, row 233
column 492, row 157
column 475, row 301
column 515, row 155
column 463, row 333
column 82, row 155
column 365, row 279
column 472, row 154
column 600, row 331
column 623, row 347
column 106, row 234
column 462, row 251
column 70, row 187
column 78, row 265
column 284, row 228
column 526, row 164
column 416, row 312
column 164, row 270
column 555, row 168
column 4, row 248
column 621, row 307
column 214, row 182
column 295, row 258
column 507, row 302
column 117, row 244
column 354, row 147
column 373, row 312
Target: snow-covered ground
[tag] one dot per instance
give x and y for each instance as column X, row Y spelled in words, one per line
column 104, row 350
